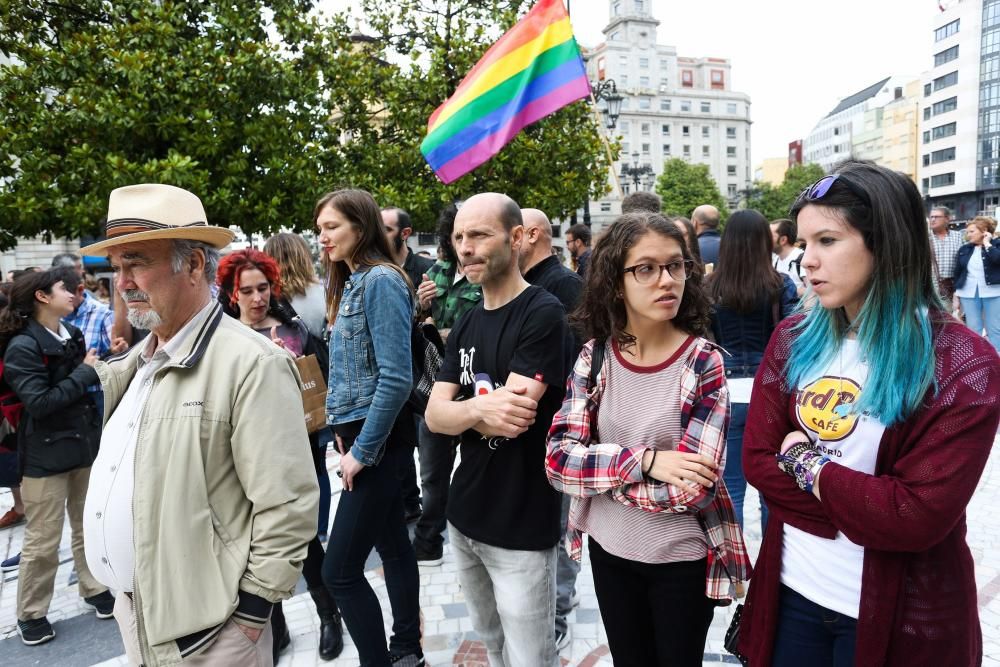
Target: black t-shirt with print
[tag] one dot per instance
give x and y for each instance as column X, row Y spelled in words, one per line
column 500, row 495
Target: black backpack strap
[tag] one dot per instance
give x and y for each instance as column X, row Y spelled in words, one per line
column 596, row 362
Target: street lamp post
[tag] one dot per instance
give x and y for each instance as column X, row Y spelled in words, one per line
column 638, row 174
column 607, row 91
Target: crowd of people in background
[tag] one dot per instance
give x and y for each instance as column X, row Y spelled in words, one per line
column 630, row 396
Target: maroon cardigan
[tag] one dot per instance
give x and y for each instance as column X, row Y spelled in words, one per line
column 918, row 588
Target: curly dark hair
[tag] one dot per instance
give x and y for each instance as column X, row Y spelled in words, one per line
column 601, row 312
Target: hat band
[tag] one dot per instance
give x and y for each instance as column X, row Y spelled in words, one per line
column 123, row 226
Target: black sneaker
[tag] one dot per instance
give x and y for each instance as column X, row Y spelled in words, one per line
column 429, row 556
column 408, row 660
column 104, row 603
column 35, row 631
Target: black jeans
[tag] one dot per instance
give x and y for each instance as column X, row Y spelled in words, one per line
column 654, row 614
column 437, row 458
column 405, row 439
column 809, row 634
column 371, row 516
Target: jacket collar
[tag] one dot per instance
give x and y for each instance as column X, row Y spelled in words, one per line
column 46, row 341
column 538, row 269
column 192, row 349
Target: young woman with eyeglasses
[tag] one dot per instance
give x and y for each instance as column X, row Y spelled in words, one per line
column 871, row 421
column 639, row 443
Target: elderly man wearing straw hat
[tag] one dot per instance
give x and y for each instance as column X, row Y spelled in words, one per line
column 203, row 496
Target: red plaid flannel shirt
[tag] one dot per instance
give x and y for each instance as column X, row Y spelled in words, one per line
column 581, row 468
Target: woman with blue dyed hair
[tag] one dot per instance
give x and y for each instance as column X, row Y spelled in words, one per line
column 872, row 419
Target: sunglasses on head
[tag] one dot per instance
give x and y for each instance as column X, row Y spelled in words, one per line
column 821, row 188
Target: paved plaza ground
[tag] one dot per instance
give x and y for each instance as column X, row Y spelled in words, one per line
column 449, row 639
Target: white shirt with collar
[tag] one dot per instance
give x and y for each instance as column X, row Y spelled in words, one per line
column 107, row 516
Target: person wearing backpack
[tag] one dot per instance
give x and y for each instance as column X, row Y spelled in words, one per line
column 48, row 367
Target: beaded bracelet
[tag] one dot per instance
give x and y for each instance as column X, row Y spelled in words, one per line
column 802, row 462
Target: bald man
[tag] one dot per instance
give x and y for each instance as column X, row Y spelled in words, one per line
column 706, row 225
column 540, row 267
column 501, row 383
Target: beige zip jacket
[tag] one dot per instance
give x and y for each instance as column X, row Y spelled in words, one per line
column 225, row 498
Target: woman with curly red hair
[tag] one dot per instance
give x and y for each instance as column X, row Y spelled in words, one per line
column 250, row 290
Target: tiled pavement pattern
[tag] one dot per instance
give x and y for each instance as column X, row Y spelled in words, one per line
column 448, row 635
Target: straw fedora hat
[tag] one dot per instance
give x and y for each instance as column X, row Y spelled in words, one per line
column 153, row 211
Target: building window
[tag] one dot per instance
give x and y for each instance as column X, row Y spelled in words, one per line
column 645, row 149
column 942, row 180
column 731, row 109
column 605, row 207
column 685, row 105
column 927, row 89
column 687, row 78
column 666, row 150
column 623, row 61
column 943, row 155
column 613, row 37
column 731, row 170
column 991, row 16
column 706, row 107
column 944, row 106
column 644, row 128
column 949, row 79
column 639, row 6
column 946, row 56
column 926, row 183
column 730, row 133
column 685, row 130
column 730, row 151
column 665, row 130
column 616, row 8
column 946, row 30
column 624, row 127
column 718, row 79
column 625, row 148
column 644, row 103
column 927, row 159
column 644, row 82
column 664, row 64
column 927, row 113
column 687, row 150
column 942, row 131
column 664, row 105
column 623, row 79
column 644, row 63
column 625, row 104
column 731, row 189
column 927, row 136
column 706, row 131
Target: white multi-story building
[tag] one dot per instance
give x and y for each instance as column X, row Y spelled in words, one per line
column 960, row 110
column 852, row 126
column 674, row 106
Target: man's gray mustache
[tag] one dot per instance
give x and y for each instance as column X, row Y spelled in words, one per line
column 134, row 295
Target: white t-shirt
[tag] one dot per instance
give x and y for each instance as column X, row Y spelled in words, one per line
column 828, row 572
column 791, row 266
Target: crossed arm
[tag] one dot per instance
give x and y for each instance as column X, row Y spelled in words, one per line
column 508, row 411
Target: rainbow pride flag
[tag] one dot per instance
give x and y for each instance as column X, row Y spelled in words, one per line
column 534, row 70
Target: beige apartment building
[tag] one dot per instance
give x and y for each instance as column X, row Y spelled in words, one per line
column 900, row 131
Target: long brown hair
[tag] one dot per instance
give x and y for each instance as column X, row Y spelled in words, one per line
column 372, row 249
column 744, row 279
column 292, row 254
column 601, row 313
column 21, row 302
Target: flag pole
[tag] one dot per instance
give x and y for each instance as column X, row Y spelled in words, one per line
column 607, row 145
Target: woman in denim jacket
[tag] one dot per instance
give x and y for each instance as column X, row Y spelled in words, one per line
column 749, row 298
column 371, row 308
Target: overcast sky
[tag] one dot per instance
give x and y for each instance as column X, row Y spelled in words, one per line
column 795, row 58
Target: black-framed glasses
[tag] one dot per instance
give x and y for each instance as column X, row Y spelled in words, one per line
column 647, row 274
column 821, row 188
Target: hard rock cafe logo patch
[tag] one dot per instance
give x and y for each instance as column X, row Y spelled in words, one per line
column 824, row 407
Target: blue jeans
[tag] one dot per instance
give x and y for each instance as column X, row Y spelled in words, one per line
column 809, row 634
column 371, row 516
column 982, row 314
column 567, row 571
column 732, row 476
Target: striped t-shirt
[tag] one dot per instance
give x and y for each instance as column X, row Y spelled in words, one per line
column 641, row 405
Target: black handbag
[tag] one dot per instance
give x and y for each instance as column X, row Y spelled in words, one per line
column 732, row 640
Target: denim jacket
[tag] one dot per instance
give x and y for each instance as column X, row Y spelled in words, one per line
column 991, row 262
column 370, row 359
column 744, row 337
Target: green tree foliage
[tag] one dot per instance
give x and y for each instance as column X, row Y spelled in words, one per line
column 382, row 92
column 258, row 106
column 194, row 93
column 684, row 186
column 774, row 202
